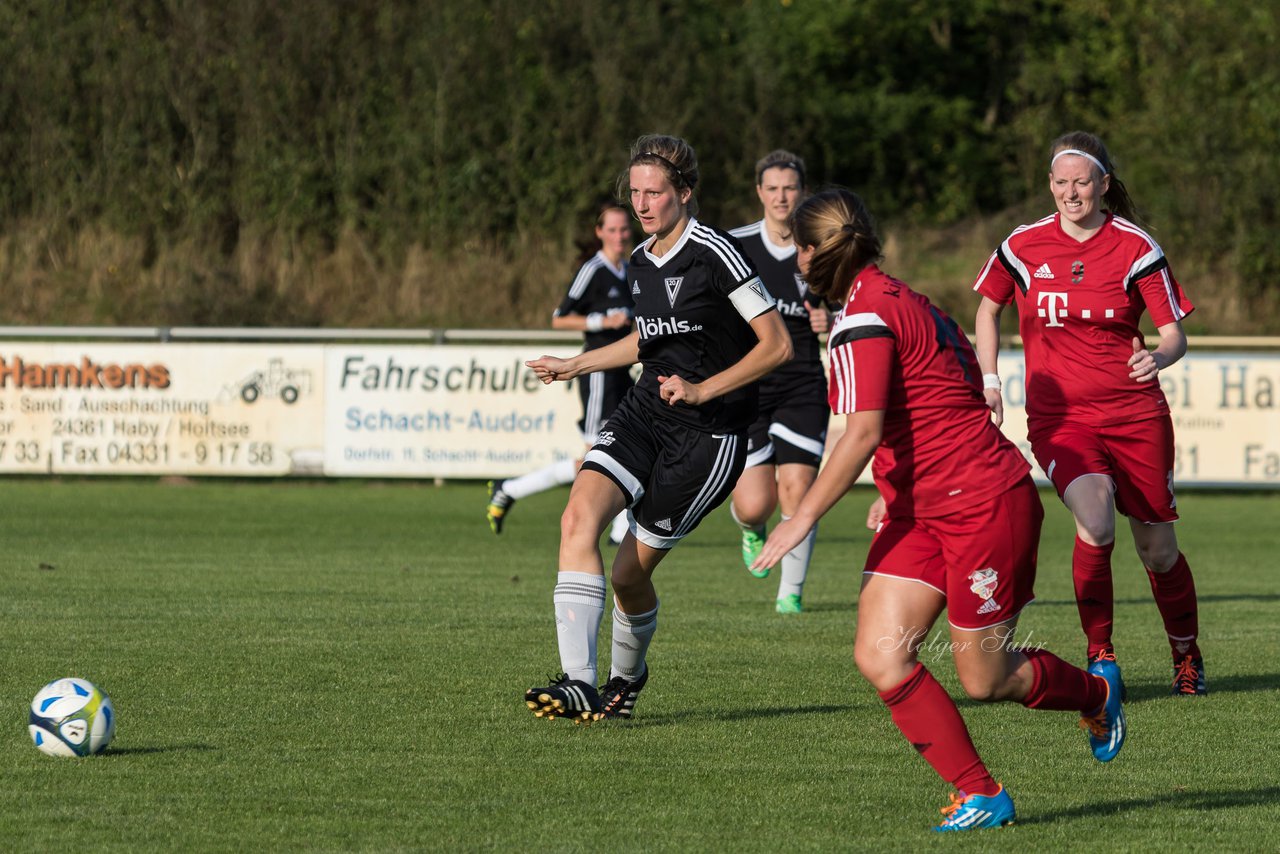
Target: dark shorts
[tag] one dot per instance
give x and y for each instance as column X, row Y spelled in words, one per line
column 791, row 427
column 982, row 559
column 671, row 475
column 1137, row 457
column 601, row 392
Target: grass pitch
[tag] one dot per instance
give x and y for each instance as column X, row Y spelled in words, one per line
column 302, row 666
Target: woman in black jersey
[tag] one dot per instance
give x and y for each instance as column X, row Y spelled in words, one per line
column 598, row 304
column 785, row 442
column 705, row 331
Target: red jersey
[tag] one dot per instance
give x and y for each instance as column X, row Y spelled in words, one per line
column 1078, row 310
column 891, row 349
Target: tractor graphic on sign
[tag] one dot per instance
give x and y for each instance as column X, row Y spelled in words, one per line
column 275, row 381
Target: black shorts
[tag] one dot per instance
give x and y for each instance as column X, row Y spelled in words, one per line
column 601, row 392
column 791, row 427
column 672, row 475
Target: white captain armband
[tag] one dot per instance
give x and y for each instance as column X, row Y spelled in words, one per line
column 595, row 321
column 991, row 381
column 751, row 299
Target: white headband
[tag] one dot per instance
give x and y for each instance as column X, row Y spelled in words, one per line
column 1086, row 155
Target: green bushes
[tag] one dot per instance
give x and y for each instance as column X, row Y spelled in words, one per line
column 253, row 150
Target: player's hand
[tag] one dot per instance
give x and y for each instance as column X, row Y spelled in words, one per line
column 676, row 390
column 819, row 319
column 549, row 369
column 1143, row 363
column 877, row 513
column 782, row 539
column 616, row 320
column 995, row 403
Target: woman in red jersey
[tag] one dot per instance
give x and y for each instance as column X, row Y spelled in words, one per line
column 960, row 518
column 1097, row 420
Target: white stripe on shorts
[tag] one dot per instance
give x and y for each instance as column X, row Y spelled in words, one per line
column 626, row 478
column 592, row 414
column 720, row 471
column 791, row 437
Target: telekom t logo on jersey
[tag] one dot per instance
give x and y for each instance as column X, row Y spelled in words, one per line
column 1053, row 305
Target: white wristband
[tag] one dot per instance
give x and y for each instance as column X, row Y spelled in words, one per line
column 595, row 322
column 991, row 381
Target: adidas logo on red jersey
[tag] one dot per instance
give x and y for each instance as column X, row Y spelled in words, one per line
column 1043, row 272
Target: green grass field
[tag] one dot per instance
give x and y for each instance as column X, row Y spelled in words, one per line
column 333, row 666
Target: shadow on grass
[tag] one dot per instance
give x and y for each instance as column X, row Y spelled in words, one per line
column 137, row 751
column 1171, row 800
column 1147, row 600
column 850, row 608
column 1141, row 692
column 673, row 718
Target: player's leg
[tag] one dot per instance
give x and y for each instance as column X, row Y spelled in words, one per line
column 1089, row 497
column 794, row 480
column 607, row 482
column 635, row 621
column 798, row 434
column 755, row 496
column 1174, row 589
column 596, row 412
column 1001, row 537
column 1080, row 468
column 902, row 595
column 993, row 667
column 579, row 598
column 694, row 473
column 1144, row 493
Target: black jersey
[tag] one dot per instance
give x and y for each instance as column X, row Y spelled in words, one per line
column 777, row 268
column 692, row 310
column 599, row 288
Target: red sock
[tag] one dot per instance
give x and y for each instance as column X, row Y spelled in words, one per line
column 1175, row 593
column 1091, row 572
column 1059, row 686
column 928, row 717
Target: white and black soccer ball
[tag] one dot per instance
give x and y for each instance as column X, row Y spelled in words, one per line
column 70, row 717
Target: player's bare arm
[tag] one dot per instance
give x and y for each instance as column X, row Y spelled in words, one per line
column 773, row 348
column 1145, row 365
column 619, row 354
column 592, row 322
column 986, row 346
column 850, row 456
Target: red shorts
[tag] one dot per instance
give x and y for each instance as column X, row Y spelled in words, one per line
column 982, row 559
column 1137, row 457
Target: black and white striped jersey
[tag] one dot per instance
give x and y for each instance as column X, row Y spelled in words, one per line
column 692, row 311
column 777, row 268
column 599, row 288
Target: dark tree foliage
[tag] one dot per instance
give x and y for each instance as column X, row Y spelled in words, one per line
column 432, row 123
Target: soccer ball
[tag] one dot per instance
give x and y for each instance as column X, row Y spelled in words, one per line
column 70, row 717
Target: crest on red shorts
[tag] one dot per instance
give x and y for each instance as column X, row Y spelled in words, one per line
column 983, row 582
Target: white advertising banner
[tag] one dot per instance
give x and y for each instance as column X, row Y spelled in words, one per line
column 222, row 409
column 1225, row 409
column 449, row 411
column 444, row 411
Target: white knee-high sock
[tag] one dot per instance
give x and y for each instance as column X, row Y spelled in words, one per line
column 795, row 564
column 579, row 604
column 631, row 636
column 547, row 477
